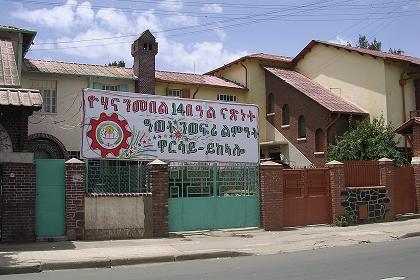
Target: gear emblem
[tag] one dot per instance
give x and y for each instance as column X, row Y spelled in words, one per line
column 109, row 134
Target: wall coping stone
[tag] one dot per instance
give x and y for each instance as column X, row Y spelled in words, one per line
column 74, row 160
column 334, row 162
column 269, row 162
column 385, row 160
column 157, row 162
column 365, row 188
column 415, row 160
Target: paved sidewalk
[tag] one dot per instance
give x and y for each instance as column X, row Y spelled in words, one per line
column 35, row 257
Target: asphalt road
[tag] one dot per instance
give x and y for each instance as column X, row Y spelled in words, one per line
column 395, row 260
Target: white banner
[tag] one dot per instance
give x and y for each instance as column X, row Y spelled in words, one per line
column 128, row 126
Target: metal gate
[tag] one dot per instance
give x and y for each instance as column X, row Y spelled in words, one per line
column 50, row 197
column 213, row 196
column 306, row 197
column 404, row 191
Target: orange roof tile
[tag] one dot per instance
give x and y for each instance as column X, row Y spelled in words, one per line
column 315, row 91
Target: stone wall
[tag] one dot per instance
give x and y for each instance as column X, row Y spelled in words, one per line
column 375, row 198
column 118, row 216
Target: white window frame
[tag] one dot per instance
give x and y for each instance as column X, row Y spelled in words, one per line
column 48, row 90
column 227, row 97
column 111, row 87
column 174, row 92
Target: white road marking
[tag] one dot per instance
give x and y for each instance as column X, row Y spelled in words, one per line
column 394, row 278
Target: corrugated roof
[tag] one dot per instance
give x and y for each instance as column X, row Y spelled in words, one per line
column 261, row 56
column 8, row 69
column 315, row 91
column 195, row 79
column 379, row 54
column 20, row 97
column 71, row 68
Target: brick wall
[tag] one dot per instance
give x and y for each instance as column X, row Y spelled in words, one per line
column 416, row 168
column 75, row 199
column 316, row 116
column 18, row 201
column 271, row 195
column 337, row 186
column 16, row 124
column 159, row 186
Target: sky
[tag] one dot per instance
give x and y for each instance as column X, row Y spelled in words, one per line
column 200, row 35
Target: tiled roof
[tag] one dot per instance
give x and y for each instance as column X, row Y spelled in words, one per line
column 261, row 56
column 28, row 35
column 315, row 91
column 70, row 68
column 379, row 54
column 8, row 70
column 194, row 79
column 407, row 127
column 20, row 97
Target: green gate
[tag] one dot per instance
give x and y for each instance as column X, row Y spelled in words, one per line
column 50, row 197
column 213, row 196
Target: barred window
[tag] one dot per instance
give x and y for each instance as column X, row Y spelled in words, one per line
column 48, row 91
column 227, row 97
column 173, row 92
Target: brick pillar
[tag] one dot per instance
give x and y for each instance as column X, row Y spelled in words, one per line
column 159, row 186
column 387, row 172
column 18, row 201
column 337, row 186
column 415, row 162
column 415, row 139
column 75, row 199
column 271, row 196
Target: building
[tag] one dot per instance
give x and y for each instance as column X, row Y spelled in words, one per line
column 305, row 102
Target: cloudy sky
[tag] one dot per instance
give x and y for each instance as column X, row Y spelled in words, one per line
column 199, row 35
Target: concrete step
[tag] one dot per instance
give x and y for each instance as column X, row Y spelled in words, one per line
column 51, row 238
column 407, row 216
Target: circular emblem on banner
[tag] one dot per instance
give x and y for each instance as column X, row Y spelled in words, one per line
column 109, row 134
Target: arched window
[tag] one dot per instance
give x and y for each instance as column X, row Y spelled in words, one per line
column 301, row 127
column 319, row 140
column 270, row 104
column 285, row 119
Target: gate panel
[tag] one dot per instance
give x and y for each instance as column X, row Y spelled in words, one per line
column 50, row 197
column 211, row 196
column 404, row 190
column 306, row 197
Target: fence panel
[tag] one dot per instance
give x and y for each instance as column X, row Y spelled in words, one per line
column 361, row 173
column 111, row 176
column 404, row 190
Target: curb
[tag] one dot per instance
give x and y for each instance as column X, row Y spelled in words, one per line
column 410, row 234
column 107, row 263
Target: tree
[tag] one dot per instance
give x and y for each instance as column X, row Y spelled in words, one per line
column 395, row 51
column 367, row 141
column 120, row 63
column 365, row 44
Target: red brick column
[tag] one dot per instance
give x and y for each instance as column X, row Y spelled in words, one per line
column 271, row 196
column 18, row 201
column 387, row 172
column 337, row 186
column 159, row 186
column 75, row 199
column 415, row 162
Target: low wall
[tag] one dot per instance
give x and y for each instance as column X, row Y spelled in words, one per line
column 118, row 216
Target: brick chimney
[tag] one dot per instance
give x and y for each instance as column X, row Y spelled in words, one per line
column 144, row 51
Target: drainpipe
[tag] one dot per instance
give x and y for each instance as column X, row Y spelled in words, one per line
column 246, row 74
column 195, row 92
column 402, row 83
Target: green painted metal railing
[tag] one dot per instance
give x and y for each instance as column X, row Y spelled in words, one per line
column 114, row 176
column 212, row 179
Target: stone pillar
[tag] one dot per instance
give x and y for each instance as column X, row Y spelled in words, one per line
column 337, row 186
column 415, row 162
column 386, row 173
column 75, row 199
column 159, row 186
column 18, row 183
column 271, row 196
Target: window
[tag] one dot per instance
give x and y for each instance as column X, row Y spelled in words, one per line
column 319, row 140
column 111, row 87
column 285, row 118
column 301, row 127
column 270, row 104
column 48, row 91
column 123, row 87
column 173, row 92
column 227, row 97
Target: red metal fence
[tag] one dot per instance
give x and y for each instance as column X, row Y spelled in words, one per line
column 361, row 173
